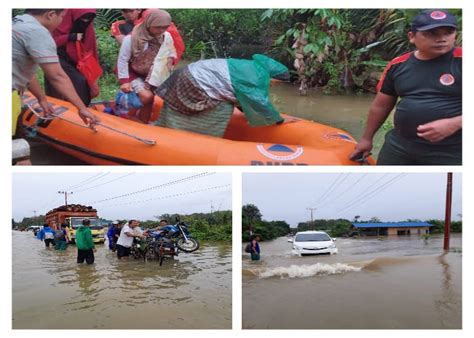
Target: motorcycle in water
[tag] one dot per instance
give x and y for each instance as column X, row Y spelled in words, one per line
column 165, row 243
column 179, row 234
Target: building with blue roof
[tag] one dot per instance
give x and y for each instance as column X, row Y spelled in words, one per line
column 391, row 228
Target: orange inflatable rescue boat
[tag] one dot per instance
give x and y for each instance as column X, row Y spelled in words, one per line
column 121, row 141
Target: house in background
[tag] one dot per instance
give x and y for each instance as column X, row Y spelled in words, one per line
column 391, row 229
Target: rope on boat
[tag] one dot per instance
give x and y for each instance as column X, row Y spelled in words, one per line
column 138, row 138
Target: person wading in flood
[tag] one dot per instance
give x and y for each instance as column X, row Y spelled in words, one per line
column 47, row 235
column 255, row 248
column 85, row 243
column 125, row 241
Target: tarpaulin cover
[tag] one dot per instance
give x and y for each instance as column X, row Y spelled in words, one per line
column 251, row 82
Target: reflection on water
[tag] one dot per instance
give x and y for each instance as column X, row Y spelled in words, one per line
column 348, row 112
column 193, row 291
column 372, row 284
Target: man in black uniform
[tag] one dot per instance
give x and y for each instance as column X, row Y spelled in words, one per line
column 428, row 117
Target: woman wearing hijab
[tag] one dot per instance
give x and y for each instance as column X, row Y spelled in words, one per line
column 201, row 96
column 76, row 26
column 139, row 52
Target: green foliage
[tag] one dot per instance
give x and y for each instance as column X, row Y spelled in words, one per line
column 202, row 230
column 250, row 214
column 108, row 50
column 345, row 48
column 438, row 228
column 215, row 226
column 109, row 87
column 334, row 227
column 221, row 32
column 106, row 17
column 252, row 220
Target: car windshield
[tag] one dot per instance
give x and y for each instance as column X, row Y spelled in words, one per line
column 312, row 238
column 77, row 222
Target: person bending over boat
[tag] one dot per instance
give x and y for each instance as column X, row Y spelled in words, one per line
column 201, row 96
column 148, row 50
column 33, row 46
column 76, row 28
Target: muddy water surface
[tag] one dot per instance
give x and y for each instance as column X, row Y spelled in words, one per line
column 51, row 291
column 399, row 283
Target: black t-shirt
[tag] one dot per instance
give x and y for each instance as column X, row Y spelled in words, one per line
column 429, row 90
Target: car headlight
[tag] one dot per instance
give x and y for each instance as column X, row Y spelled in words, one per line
column 332, row 246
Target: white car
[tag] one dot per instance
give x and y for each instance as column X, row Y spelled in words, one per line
column 313, row 243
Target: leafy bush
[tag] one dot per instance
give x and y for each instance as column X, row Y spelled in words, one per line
column 221, row 32
column 108, row 50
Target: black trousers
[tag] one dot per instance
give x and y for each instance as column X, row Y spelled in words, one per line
column 87, row 255
column 77, row 79
column 47, row 242
column 399, row 151
column 122, row 251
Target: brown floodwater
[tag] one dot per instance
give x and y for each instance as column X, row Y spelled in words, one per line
column 347, row 112
column 399, row 283
column 52, row 291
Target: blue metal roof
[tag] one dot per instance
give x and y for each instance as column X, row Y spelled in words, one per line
column 392, row 225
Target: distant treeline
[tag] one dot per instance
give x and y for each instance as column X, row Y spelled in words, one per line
column 252, row 222
column 267, row 230
column 215, row 226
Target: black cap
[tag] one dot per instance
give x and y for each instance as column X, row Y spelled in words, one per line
column 433, row 18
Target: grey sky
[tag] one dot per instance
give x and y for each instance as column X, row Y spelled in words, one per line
column 396, row 196
column 39, row 192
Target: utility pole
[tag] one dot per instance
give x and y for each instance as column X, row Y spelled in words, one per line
column 311, row 209
column 34, row 217
column 447, row 218
column 65, row 195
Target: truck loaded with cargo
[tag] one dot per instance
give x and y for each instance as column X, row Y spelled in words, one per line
column 73, row 215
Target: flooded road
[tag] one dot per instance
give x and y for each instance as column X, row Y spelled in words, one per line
column 51, row 291
column 399, row 283
column 348, row 112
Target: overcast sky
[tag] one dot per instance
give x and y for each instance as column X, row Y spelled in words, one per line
column 39, row 192
column 390, row 197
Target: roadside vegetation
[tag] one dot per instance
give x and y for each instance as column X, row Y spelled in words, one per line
column 252, row 220
column 336, row 50
column 215, row 226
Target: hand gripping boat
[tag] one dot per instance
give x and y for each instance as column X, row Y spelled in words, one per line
column 120, row 141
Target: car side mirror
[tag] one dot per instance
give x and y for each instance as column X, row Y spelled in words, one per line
column 334, row 239
column 290, row 240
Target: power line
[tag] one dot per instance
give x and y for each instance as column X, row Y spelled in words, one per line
column 100, row 184
column 364, row 191
column 182, row 180
column 345, row 191
column 366, row 194
column 330, row 187
column 374, row 193
column 336, row 186
column 86, row 181
column 170, row 196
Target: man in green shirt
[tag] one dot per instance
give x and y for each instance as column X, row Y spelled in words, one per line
column 85, row 243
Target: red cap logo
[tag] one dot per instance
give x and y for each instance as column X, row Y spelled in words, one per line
column 438, row 15
column 446, row 79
